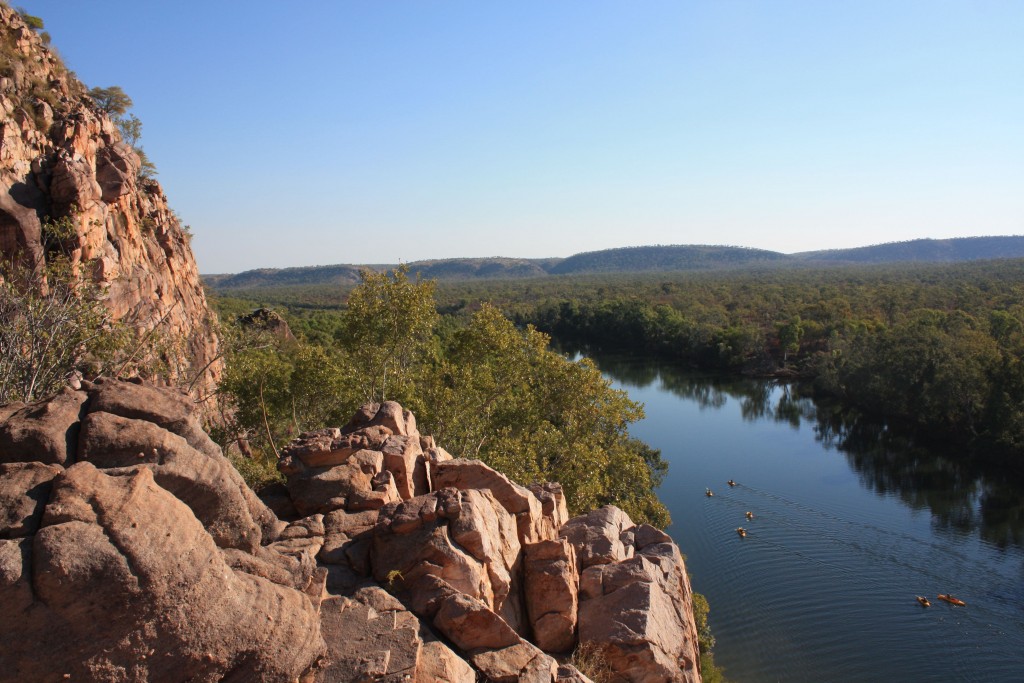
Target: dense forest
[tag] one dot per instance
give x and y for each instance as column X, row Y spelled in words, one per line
column 934, row 347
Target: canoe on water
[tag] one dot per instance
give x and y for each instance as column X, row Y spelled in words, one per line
column 924, row 601
column 951, row 600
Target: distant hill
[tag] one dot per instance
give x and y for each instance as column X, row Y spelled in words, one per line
column 637, row 260
column 664, row 258
column 927, row 250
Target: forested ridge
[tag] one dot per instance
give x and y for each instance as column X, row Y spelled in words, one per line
column 639, row 259
column 934, row 347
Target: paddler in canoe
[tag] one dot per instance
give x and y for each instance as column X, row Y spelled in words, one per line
column 742, row 532
column 924, row 601
column 952, row 600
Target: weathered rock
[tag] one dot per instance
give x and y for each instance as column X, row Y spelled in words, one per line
column 329, row 447
column 404, row 459
column 639, row 613
column 208, row 484
column 550, row 589
column 388, row 414
column 519, row 663
column 326, row 489
column 64, row 158
column 117, row 167
column 567, row 673
column 24, row 490
column 600, row 536
column 472, row 546
column 43, row 432
column 371, row 636
column 519, row 501
column 121, row 570
column 172, row 410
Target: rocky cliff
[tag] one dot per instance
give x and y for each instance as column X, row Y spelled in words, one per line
column 131, row 550
column 61, row 157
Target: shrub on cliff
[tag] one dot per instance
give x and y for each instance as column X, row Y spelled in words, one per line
column 52, row 325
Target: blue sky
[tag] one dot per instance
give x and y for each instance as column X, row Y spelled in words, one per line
column 370, row 131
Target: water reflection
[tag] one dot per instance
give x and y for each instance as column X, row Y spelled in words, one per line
column 962, row 498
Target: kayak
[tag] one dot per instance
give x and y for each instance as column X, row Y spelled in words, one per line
column 951, row 600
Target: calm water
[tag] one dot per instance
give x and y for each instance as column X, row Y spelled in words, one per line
column 850, row 523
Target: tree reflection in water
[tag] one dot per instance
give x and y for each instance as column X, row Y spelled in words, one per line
column 961, row 496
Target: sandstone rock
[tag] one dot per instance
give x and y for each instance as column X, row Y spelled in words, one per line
column 639, row 613
column 209, row 485
column 404, row 459
column 72, row 184
column 369, row 644
column 472, row 546
column 550, row 588
column 116, row 169
column 471, row 625
column 567, row 673
column 388, row 414
column 172, row 410
column 326, row 489
column 64, row 158
column 600, row 536
column 519, row 663
column 531, row 524
column 24, row 490
column 43, row 432
column 329, row 447
column 122, row 570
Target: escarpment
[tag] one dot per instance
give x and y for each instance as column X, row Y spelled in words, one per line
column 61, row 157
column 131, row 550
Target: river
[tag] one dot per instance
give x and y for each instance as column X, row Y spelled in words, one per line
column 850, row 523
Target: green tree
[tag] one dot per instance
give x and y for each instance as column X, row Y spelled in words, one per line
column 388, row 326
column 498, row 394
column 113, row 100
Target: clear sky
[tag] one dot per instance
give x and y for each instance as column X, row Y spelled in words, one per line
column 373, row 131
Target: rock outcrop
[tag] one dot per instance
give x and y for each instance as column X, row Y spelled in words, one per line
column 131, row 550
column 62, row 157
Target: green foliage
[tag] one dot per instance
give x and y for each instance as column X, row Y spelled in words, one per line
column 499, row 394
column 281, row 388
column 33, row 22
column 53, row 324
column 709, row 671
column 483, row 389
column 387, row 328
column 113, row 100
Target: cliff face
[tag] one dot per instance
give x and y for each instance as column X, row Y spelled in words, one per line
column 125, row 533
column 61, row 157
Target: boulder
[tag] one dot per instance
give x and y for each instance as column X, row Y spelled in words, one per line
column 518, row 500
column 639, row 614
column 44, row 432
column 599, row 537
column 404, row 459
column 388, row 414
column 24, row 490
column 172, row 410
column 321, row 490
column 121, row 570
column 550, row 591
column 117, row 167
column 208, row 484
column 465, row 538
